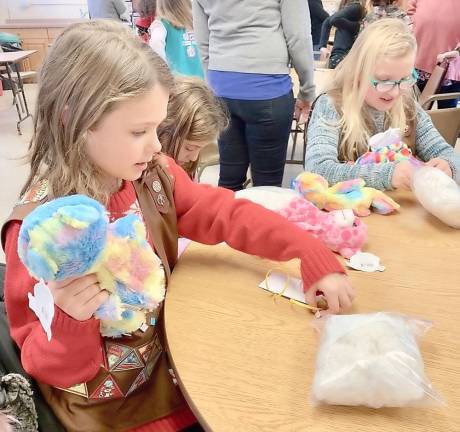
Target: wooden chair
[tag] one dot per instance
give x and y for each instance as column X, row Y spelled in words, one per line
column 297, row 130
column 446, row 121
column 209, row 155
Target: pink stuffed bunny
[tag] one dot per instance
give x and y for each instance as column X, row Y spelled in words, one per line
column 340, row 230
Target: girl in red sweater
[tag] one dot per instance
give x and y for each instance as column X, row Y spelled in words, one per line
column 102, row 95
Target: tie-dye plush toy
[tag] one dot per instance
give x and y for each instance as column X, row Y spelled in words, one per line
column 387, row 147
column 72, row 236
column 340, row 230
column 349, row 194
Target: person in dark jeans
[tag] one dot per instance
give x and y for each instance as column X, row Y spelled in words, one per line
column 258, row 135
column 245, row 49
column 317, row 16
column 347, row 21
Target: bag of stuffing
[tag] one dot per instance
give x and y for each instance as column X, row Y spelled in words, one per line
column 371, row 360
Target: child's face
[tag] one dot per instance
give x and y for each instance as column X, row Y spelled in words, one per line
column 190, row 151
column 388, row 69
column 126, row 138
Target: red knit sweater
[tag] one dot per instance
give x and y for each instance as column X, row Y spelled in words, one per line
column 205, row 214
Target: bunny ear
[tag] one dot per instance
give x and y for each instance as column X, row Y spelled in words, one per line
column 78, row 216
column 128, row 226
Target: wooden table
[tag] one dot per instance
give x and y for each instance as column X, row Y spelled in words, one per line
column 245, row 362
column 9, row 59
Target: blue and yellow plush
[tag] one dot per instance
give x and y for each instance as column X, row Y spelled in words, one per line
column 72, row 236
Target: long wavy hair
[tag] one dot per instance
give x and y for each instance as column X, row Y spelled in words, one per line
column 194, row 114
column 388, row 37
column 91, row 67
column 177, row 12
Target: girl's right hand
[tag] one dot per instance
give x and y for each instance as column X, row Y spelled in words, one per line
column 337, row 290
column 79, row 298
column 402, row 175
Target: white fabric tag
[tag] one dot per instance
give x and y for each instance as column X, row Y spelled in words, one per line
column 42, row 303
column 366, row 262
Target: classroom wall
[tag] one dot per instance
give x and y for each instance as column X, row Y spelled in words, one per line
column 42, row 9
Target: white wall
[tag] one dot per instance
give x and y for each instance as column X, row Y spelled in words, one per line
column 42, row 9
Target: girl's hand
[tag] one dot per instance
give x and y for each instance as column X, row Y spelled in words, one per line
column 337, row 290
column 447, row 55
column 301, row 110
column 440, row 164
column 78, row 298
column 402, row 175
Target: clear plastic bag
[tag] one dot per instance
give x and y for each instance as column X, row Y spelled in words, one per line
column 438, row 193
column 371, row 360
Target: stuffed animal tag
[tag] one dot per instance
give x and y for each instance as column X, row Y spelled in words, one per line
column 42, row 303
column 365, row 261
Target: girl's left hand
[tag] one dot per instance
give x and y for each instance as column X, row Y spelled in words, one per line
column 447, row 55
column 440, row 164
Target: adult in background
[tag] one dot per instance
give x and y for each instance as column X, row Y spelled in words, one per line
column 347, row 21
column 108, row 9
column 437, row 30
column 317, row 16
column 245, row 48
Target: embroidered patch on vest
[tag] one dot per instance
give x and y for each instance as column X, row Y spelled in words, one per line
column 116, row 353
column 36, row 193
column 132, row 361
column 78, row 389
column 107, row 390
column 141, row 379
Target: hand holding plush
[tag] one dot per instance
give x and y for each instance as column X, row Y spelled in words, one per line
column 71, row 237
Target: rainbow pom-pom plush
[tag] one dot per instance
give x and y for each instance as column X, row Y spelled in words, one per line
column 387, row 147
column 71, row 237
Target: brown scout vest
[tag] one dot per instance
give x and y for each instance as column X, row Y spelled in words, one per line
column 133, row 386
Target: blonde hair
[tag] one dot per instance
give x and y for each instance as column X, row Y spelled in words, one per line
column 91, row 67
column 388, row 37
column 194, row 114
column 177, row 12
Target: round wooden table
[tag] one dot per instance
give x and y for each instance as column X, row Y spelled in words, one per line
column 245, row 361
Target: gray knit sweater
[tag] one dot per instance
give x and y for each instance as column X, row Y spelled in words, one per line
column 322, row 156
column 256, row 36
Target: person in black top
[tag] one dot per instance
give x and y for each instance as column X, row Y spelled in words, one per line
column 317, row 17
column 347, row 21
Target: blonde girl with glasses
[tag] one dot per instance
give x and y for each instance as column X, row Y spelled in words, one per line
column 102, row 95
column 370, row 92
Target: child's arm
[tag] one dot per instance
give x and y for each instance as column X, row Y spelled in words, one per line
column 212, row 215
column 74, row 353
column 429, row 144
column 322, row 155
column 296, row 24
column 348, row 18
column 201, row 31
column 158, row 38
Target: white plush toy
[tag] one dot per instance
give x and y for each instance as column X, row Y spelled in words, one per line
column 438, row 193
column 372, row 360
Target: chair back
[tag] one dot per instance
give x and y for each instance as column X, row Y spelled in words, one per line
column 446, row 121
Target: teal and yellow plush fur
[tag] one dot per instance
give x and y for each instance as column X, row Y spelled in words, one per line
column 349, row 194
column 72, row 236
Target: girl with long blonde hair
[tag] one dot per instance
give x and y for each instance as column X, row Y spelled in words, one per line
column 195, row 119
column 370, row 92
column 102, row 95
column 172, row 37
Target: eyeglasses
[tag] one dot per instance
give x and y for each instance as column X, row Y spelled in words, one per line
column 404, row 84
